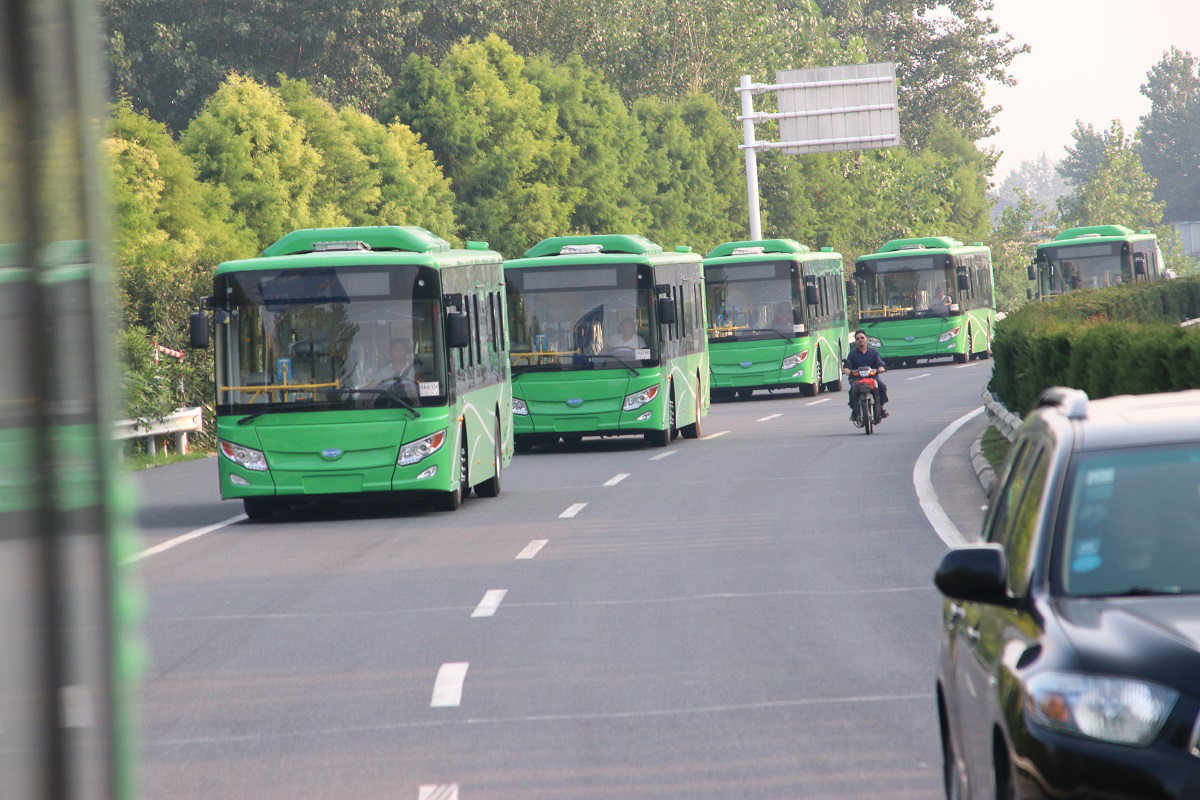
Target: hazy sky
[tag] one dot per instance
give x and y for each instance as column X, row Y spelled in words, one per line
column 1088, row 60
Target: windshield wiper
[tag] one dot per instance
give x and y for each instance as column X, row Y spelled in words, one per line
column 391, row 395
column 781, row 335
column 632, row 369
column 284, row 410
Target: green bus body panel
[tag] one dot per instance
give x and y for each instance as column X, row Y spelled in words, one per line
column 603, row 391
column 918, row 244
column 757, row 364
column 379, row 237
column 918, row 338
column 1097, row 234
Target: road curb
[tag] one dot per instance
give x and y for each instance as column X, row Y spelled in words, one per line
column 983, row 468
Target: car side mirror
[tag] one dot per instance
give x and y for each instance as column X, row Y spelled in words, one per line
column 198, row 338
column 458, row 331
column 666, row 311
column 976, row 573
column 810, row 295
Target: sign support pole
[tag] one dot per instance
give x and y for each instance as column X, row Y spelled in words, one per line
column 751, row 156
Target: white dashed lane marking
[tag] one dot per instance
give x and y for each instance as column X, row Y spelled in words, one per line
column 714, row 435
column 445, row 791
column 918, row 377
column 764, row 419
column 447, row 689
column 532, row 548
column 816, row 402
column 613, row 481
column 490, row 602
column 661, row 456
column 574, row 509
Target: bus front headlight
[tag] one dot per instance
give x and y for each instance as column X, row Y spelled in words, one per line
column 639, row 399
column 874, row 342
column 519, row 407
column 421, row 449
column 791, row 362
column 950, row 334
column 246, row 457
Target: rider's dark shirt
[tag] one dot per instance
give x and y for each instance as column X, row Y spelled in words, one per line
column 858, row 358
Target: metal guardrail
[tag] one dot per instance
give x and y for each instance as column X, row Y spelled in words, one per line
column 178, row 424
column 1004, row 420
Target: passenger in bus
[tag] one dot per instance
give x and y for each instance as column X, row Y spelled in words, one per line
column 863, row 355
column 627, row 338
column 402, row 368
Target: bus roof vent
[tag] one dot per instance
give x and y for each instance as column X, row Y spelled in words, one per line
column 757, row 247
column 921, row 243
column 407, row 238
column 1071, row 402
column 608, row 244
column 1092, row 231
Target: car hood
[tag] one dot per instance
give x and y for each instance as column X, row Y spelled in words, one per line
column 1155, row 638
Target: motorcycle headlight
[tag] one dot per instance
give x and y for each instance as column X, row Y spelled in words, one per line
column 519, row 407
column 413, row 452
column 874, row 342
column 1114, row 710
column 791, row 362
column 948, row 335
column 639, row 399
column 246, row 457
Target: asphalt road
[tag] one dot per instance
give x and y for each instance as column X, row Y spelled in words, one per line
column 747, row 615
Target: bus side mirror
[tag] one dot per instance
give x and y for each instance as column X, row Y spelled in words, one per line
column 458, row 330
column 1031, row 271
column 810, row 295
column 850, row 288
column 666, row 311
column 198, row 330
column 1029, row 294
column 964, row 283
column 1139, row 264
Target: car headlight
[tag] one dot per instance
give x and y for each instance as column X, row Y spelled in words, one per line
column 791, row 362
column 639, row 399
column 1115, row 710
column 246, row 457
column 413, row 452
column 948, row 335
column 519, row 407
column 874, row 342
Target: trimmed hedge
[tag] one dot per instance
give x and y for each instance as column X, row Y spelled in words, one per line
column 1118, row 340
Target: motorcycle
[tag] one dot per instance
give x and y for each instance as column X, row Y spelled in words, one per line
column 863, row 398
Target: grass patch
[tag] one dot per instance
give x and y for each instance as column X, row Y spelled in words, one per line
column 995, row 447
column 135, row 463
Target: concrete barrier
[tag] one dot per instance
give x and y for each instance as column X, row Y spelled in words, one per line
column 178, row 424
column 1004, row 420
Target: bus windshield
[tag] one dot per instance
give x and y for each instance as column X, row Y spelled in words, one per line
column 753, row 300
column 581, row 317
column 1083, row 267
column 329, row 338
column 922, row 286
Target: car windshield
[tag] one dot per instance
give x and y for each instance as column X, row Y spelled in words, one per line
column 1083, row 267
column 325, row 338
column 1129, row 524
column 755, row 300
column 918, row 286
column 581, row 317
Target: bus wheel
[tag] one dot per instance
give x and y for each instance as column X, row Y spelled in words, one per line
column 453, row 499
column 260, row 508
column 671, row 416
column 693, row 431
column 491, row 487
column 963, row 358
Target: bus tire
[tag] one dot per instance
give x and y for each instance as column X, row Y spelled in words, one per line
column 260, row 508
column 453, row 499
column 693, row 431
column 671, row 416
column 491, row 487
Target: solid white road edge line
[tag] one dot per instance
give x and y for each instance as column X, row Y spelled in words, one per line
column 178, row 540
column 764, row 419
column 613, row 481
column 572, row 510
column 490, row 602
column 714, row 435
column 923, row 483
column 818, row 402
column 532, row 548
column 447, row 689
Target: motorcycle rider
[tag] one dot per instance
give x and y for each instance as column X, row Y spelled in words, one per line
column 862, row 355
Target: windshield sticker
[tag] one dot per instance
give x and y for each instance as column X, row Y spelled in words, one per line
column 430, row 388
column 642, row 353
column 1100, row 477
column 1087, row 556
column 797, row 329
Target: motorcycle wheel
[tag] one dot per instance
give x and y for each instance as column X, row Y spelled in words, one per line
column 868, row 415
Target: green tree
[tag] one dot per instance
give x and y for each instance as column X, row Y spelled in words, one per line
column 244, row 140
column 609, row 166
column 1083, row 159
column 1036, row 178
column 1170, row 134
column 1013, row 241
column 169, row 55
column 1119, row 192
column 700, row 198
column 945, row 54
column 501, row 147
column 412, row 188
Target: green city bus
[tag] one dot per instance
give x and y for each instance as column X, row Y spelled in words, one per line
column 309, row 404
column 927, row 298
column 776, row 317
column 607, row 339
column 1095, row 256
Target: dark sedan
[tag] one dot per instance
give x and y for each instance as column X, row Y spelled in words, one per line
column 1070, row 657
